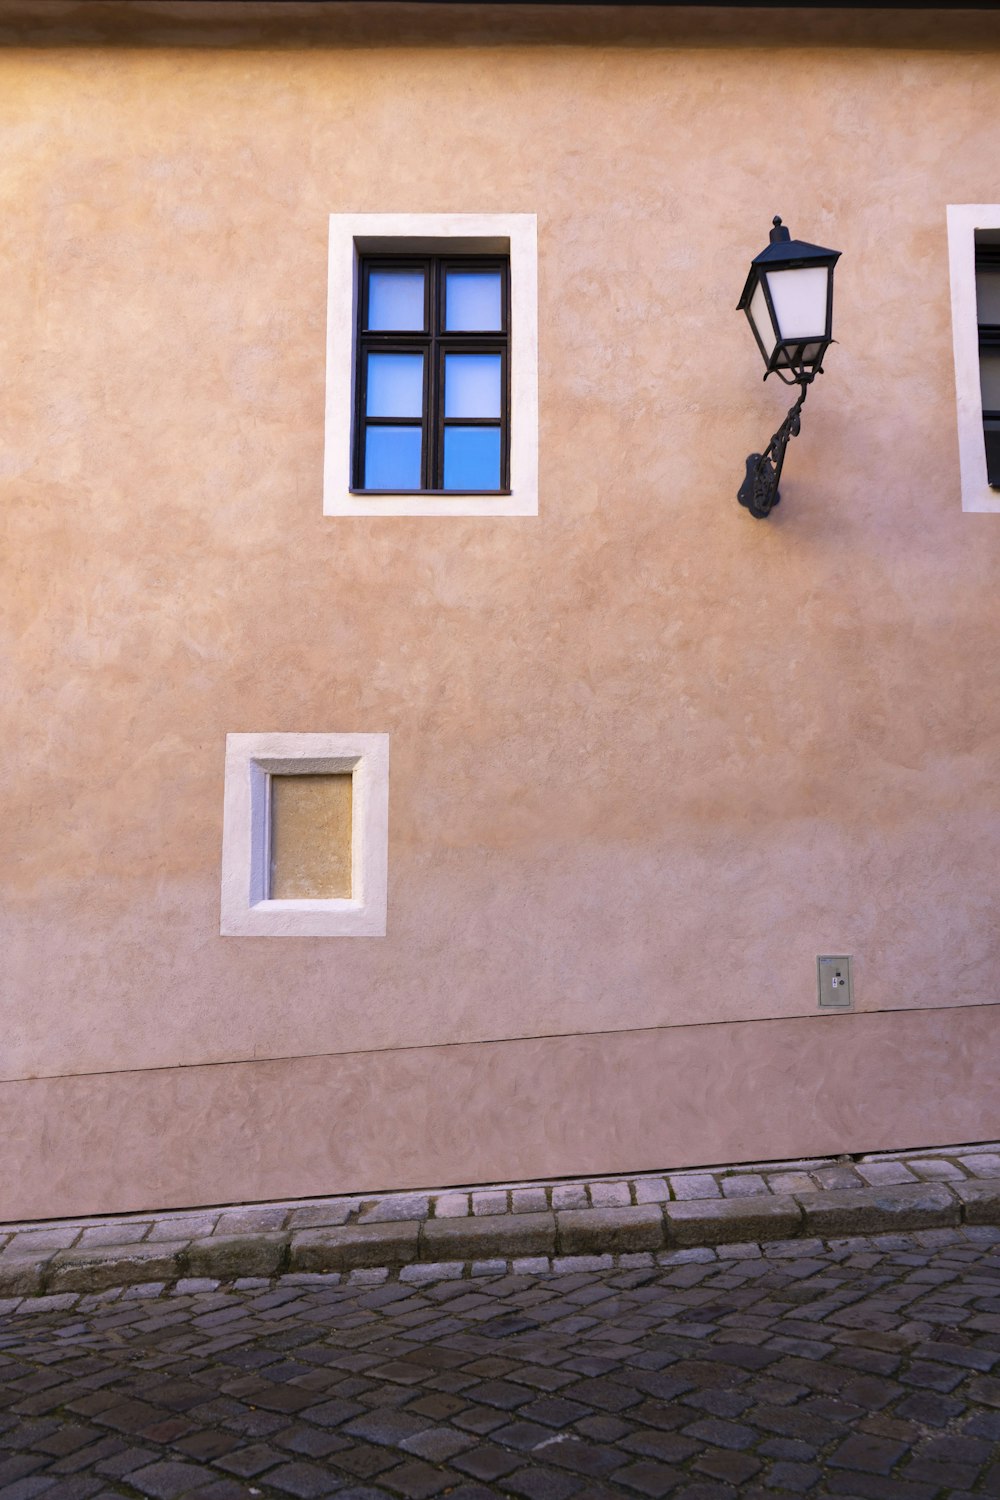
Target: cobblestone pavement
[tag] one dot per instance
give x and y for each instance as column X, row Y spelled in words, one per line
column 866, row 1368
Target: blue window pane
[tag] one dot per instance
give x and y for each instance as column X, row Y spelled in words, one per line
column 392, row 458
column 472, row 458
column 472, row 385
column 395, row 385
column 472, row 301
column 396, row 300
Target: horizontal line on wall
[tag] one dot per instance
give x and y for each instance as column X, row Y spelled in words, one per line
column 498, row 1041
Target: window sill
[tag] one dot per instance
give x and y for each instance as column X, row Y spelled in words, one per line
column 416, row 494
column 378, row 504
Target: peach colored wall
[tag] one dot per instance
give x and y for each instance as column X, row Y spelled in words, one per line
column 649, row 757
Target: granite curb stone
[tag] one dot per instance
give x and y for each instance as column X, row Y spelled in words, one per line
column 592, row 1231
column 96, row 1267
column 923, row 1205
column 355, row 1246
column 738, row 1209
column 487, row 1236
column 727, row 1221
column 980, row 1200
column 225, row 1256
column 21, row 1275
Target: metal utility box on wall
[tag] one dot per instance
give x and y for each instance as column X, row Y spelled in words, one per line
column 836, row 990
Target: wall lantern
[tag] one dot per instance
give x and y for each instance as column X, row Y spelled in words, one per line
column 788, row 300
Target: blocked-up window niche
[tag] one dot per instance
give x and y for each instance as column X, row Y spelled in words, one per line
column 310, row 837
column 305, row 835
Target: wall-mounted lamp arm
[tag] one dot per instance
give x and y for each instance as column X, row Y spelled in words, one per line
column 759, row 490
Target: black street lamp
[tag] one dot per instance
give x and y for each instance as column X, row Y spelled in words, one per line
column 788, row 300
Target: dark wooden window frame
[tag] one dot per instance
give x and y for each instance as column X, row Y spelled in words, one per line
column 988, row 259
column 435, row 343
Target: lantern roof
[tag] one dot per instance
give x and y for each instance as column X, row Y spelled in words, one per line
column 784, row 252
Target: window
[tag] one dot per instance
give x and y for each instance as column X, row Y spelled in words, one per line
column 432, row 404
column 974, row 245
column 432, row 375
column 305, row 835
column 988, row 311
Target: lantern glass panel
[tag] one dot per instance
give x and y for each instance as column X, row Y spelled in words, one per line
column 761, row 318
column 800, row 300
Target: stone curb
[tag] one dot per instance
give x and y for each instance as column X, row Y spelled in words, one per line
column 354, row 1246
column 418, row 1248
column 980, row 1201
column 732, row 1221
column 102, row 1266
column 926, row 1205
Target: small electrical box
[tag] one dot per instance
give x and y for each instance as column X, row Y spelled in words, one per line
column 836, row 992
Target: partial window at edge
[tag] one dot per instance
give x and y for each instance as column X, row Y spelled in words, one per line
column 988, row 316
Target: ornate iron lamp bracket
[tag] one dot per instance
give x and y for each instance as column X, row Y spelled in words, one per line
column 759, row 490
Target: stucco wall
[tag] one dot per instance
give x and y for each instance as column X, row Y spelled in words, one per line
column 649, row 757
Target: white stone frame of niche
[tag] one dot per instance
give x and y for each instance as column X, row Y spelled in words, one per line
column 352, row 235
column 251, row 760
column 963, row 221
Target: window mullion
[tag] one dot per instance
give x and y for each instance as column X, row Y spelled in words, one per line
column 433, row 379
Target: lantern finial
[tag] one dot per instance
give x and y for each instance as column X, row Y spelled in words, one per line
column 779, row 232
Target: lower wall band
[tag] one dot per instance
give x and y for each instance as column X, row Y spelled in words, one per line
column 502, row 1111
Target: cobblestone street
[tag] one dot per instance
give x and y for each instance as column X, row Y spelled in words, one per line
column 863, row 1368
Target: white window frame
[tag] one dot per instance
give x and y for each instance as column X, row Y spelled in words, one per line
column 251, row 760
column 963, row 221
column 353, row 235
